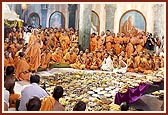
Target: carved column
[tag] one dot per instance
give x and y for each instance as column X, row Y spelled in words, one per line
column 72, row 14
column 159, row 19
column 110, row 12
column 44, row 8
column 84, row 26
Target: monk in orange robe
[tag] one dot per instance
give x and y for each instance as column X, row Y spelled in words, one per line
column 129, row 50
column 80, row 62
column 70, row 57
column 86, row 53
column 20, row 34
column 137, row 60
column 94, row 65
column 139, row 48
column 57, row 56
column 93, row 42
column 51, row 103
column 130, row 62
column 34, row 51
column 108, row 40
column 14, row 34
column 117, row 48
column 45, row 59
column 100, row 43
column 22, row 68
column 8, row 61
column 89, row 60
column 64, row 41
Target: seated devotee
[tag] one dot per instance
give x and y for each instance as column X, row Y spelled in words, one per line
column 129, row 50
column 8, row 61
column 10, row 84
column 86, row 53
column 107, row 63
column 80, row 106
column 33, row 104
column 94, row 64
column 31, row 90
column 89, row 60
column 124, row 106
column 22, row 68
column 64, row 40
column 145, row 65
column 57, row 55
column 51, row 103
column 130, row 62
column 45, row 58
column 6, row 96
column 122, row 66
column 80, row 62
column 70, row 57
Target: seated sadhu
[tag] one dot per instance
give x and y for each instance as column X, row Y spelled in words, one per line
column 130, row 62
column 89, row 60
column 51, row 103
column 22, row 68
column 94, row 64
column 8, row 61
column 80, row 62
column 122, row 66
column 10, row 84
column 86, row 53
column 45, row 58
column 144, row 66
column 57, row 55
column 70, row 57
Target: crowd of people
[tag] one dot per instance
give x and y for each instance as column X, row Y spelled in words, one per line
column 38, row 48
column 26, row 51
column 33, row 100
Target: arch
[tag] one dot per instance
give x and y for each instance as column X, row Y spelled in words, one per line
column 34, row 20
column 95, row 20
column 137, row 16
column 59, row 22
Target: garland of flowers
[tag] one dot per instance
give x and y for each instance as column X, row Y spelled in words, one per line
column 10, row 25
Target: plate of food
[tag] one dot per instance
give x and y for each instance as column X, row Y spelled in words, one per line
column 90, row 92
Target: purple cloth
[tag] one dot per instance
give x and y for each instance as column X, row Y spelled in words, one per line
column 132, row 94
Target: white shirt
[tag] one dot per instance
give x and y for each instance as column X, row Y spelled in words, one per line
column 26, row 37
column 28, row 92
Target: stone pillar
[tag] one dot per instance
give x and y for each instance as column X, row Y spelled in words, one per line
column 110, row 13
column 44, row 8
column 84, row 26
column 72, row 13
column 159, row 19
column 18, row 10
